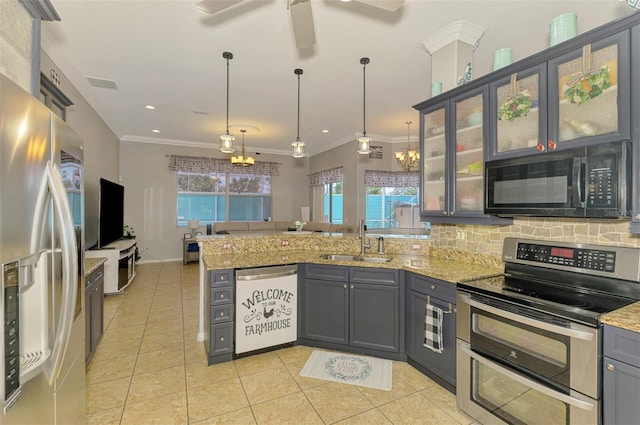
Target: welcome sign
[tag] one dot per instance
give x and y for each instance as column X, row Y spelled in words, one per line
column 266, row 312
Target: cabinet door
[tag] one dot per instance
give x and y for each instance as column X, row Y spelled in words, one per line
column 87, row 324
column 441, row 364
column 589, row 99
column 97, row 314
column 433, row 148
column 518, row 106
column 467, row 152
column 621, row 386
column 326, row 306
column 635, row 106
column 374, row 316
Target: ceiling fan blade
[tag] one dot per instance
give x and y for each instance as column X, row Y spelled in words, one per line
column 302, row 19
column 213, row 6
column 389, row 5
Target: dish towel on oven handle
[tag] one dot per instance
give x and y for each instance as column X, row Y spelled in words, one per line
column 433, row 328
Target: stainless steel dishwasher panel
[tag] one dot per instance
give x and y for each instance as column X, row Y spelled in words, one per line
column 266, row 307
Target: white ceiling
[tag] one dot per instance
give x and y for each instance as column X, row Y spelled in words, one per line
column 168, row 54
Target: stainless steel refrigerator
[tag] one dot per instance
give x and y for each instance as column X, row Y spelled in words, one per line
column 41, row 259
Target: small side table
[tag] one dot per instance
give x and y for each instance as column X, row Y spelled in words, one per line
column 190, row 251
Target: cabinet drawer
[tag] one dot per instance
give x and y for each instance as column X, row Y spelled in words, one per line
column 433, row 287
column 621, row 344
column 324, row 272
column 221, row 339
column 221, row 295
column 373, row 275
column 221, row 313
column 221, row 277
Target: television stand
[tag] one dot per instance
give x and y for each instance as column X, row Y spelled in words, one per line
column 120, row 267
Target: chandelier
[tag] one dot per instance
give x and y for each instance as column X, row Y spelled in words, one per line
column 409, row 157
column 242, row 160
column 226, row 139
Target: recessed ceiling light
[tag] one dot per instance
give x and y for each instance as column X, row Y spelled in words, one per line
column 325, row 131
column 149, row 107
column 156, row 131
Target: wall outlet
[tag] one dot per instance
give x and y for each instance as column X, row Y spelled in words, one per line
column 415, row 247
column 227, row 245
column 284, row 242
column 461, row 235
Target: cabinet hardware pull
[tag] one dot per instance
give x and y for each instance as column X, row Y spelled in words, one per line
column 552, row 145
column 610, row 367
column 221, row 313
column 540, row 147
column 345, row 286
column 221, row 338
column 221, row 295
column 433, row 286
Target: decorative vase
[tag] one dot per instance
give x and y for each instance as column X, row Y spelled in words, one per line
column 562, row 28
column 501, row 58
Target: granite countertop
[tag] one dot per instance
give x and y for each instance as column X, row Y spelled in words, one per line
column 92, row 264
column 450, row 270
column 626, row 317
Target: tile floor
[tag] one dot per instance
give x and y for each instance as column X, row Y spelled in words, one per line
column 149, row 369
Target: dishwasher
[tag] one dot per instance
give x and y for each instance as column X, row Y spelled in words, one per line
column 266, row 307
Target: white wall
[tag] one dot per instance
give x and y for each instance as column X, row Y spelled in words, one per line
column 151, row 192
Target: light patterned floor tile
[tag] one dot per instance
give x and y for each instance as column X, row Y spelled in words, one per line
column 303, row 382
column 416, row 410
column 242, row 416
column 157, row 383
column 117, row 349
column 215, row 399
column 412, row 376
column 294, row 408
column 399, row 389
column 268, row 384
column 107, row 370
column 296, row 354
column 370, row 417
column 253, row 364
column 107, row 395
column 105, row 417
column 157, row 360
column 169, row 409
column 334, row 401
column 199, row 374
column 157, row 342
column 447, row 402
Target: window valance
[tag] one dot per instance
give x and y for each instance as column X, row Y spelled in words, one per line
column 204, row 165
column 391, row 178
column 332, row 175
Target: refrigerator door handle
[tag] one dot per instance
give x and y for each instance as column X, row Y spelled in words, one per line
column 53, row 184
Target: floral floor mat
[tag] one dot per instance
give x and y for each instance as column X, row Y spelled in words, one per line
column 364, row 371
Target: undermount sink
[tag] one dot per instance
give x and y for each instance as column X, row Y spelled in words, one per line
column 346, row 257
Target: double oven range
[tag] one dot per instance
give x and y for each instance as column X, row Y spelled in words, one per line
column 529, row 341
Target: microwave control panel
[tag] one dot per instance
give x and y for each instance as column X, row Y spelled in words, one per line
column 581, row 258
column 602, row 187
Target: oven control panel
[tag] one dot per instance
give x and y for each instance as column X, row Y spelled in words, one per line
column 582, row 258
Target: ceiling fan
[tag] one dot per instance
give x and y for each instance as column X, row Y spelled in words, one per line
column 301, row 15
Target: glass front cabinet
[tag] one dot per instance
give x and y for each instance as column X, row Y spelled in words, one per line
column 635, row 107
column 578, row 98
column 453, row 153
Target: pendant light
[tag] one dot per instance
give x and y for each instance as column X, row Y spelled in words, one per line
column 242, row 160
column 364, row 141
column 226, row 139
column 410, row 157
column 298, row 145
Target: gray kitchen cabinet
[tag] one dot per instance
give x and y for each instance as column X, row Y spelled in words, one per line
column 452, row 142
column 219, row 324
column 422, row 290
column 621, row 376
column 635, row 129
column 93, row 311
column 353, row 306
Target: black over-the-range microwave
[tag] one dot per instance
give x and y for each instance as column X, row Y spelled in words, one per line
column 592, row 181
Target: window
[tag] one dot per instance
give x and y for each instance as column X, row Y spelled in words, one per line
column 392, row 200
column 326, row 188
column 223, row 196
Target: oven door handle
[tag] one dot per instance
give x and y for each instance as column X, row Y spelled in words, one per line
column 572, row 333
column 572, row 400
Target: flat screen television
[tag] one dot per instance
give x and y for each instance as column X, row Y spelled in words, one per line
column 111, row 212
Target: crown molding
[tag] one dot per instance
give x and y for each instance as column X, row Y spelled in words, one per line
column 464, row 31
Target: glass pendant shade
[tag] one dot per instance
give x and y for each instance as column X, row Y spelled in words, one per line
column 226, row 139
column 226, row 143
column 364, row 141
column 364, row 144
column 298, row 149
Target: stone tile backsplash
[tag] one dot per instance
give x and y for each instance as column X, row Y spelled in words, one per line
column 487, row 240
